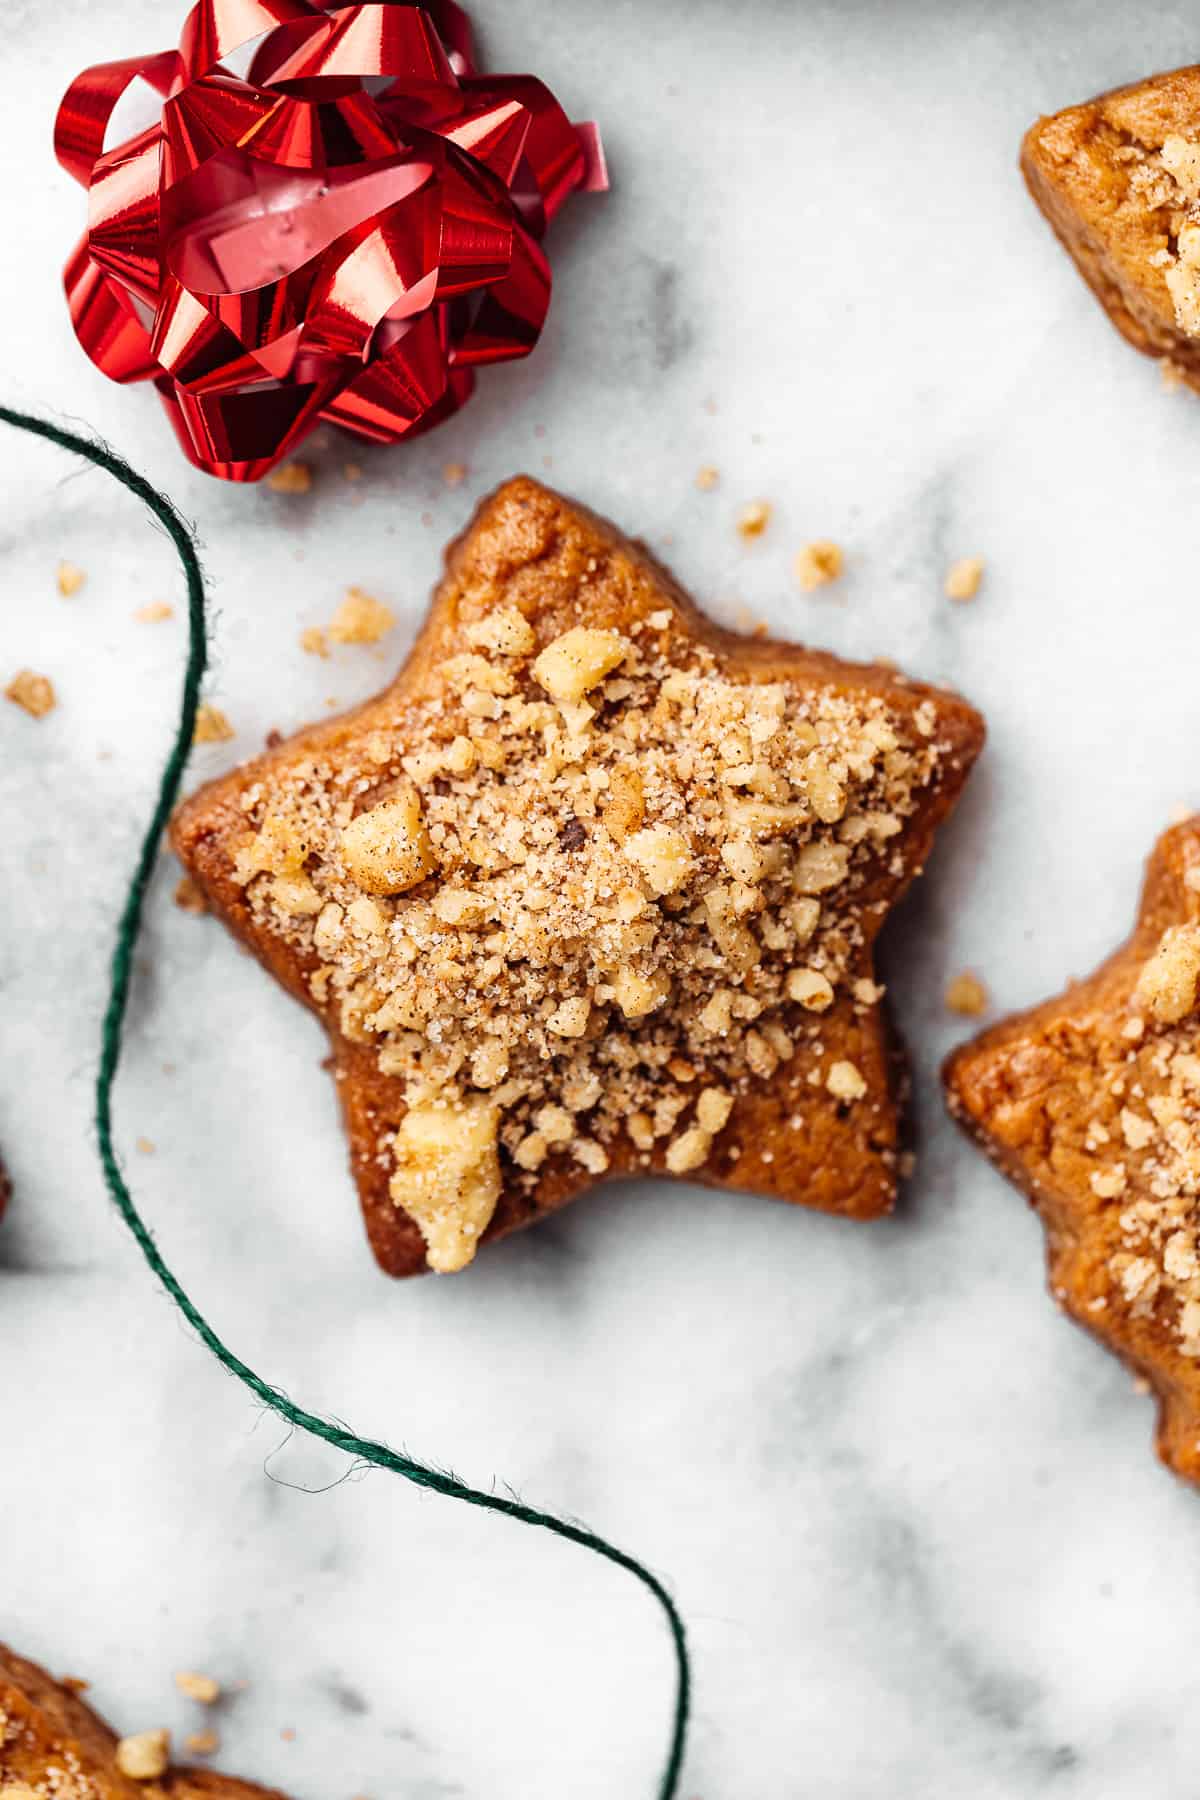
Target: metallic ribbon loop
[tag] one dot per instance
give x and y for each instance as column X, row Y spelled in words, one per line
column 344, row 232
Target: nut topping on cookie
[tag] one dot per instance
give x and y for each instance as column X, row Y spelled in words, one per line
column 1091, row 1104
column 592, row 888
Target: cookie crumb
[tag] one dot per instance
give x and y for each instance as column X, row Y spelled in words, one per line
column 454, row 473
column 845, row 1082
column 352, row 471
column 33, row 693
column 707, row 478
column 144, row 1756
column 154, row 612
column 360, row 619
column 202, row 1688
column 145, row 1147
column 290, row 478
column 212, row 726
column 963, row 578
column 967, row 995
column 754, row 519
column 70, row 579
column 817, row 564
column 313, row 641
column 202, row 1743
column 189, row 896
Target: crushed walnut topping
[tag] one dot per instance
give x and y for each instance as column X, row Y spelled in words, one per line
column 144, row 1757
column 1167, row 182
column 590, row 892
column 1143, row 1140
column 359, row 619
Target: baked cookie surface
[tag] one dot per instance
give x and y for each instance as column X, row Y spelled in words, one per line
column 591, row 889
column 1119, row 180
column 1091, row 1104
column 54, row 1747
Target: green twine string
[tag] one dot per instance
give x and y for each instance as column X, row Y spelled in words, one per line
column 121, row 970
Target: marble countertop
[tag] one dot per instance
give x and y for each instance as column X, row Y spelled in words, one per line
column 912, row 1516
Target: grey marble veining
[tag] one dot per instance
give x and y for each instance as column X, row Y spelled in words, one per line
column 912, row 1516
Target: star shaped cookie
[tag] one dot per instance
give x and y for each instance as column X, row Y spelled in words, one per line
column 1091, row 1104
column 1119, row 180
column 54, row 1747
column 591, row 890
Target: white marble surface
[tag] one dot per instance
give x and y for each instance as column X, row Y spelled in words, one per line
column 912, row 1516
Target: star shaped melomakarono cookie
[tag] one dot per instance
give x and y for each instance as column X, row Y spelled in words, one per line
column 592, row 889
column 1119, row 180
column 1091, row 1104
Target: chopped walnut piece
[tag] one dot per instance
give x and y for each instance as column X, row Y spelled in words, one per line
column 689, row 1150
column 387, row 849
column 845, row 1082
column 963, row 578
column 1169, row 981
column 360, row 619
column 754, row 519
column 505, row 631
column 966, row 995
column 626, row 806
column 313, row 641
column 637, row 995
column 144, row 1757
column 817, row 564
column 290, row 478
column 70, row 578
column 663, row 856
column 34, row 694
column 570, row 1020
column 713, row 1107
column 212, row 726
column 578, row 661
column 809, row 988
column 447, row 1177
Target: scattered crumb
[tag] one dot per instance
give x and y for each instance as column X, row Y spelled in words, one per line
column 817, row 564
column 154, row 612
column 967, row 995
column 70, row 579
column 145, row 1147
column 288, row 1734
column 212, row 727
column 313, row 641
column 352, row 471
column 198, row 1687
column 202, row 1743
column 144, row 1757
column 707, row 478
column 360, row 619
column 754, row 519
column 34, row 693
column 963, row 578
column 290, row 478
column 454, row 473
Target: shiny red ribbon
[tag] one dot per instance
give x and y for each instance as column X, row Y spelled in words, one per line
column 343, row 232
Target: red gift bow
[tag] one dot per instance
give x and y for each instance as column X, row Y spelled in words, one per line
column 344, row 232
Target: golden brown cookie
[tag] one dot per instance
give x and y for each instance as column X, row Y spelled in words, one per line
column 591, row 889
column 1091, row 1104
column 1119, row 180
column 54, row 1747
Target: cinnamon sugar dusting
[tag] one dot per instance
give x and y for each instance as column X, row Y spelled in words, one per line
column 583, row 892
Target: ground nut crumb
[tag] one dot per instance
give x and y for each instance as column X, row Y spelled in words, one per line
column 360, row 619
column 144, row 1757
column 963, row 578
column 967, row 995
column 313, row 641
column 753, row 519
column 34, row 694
column 69, row 579
column 817, row 564
column 290, row 478
column 201, row 1688
column 212, row 725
